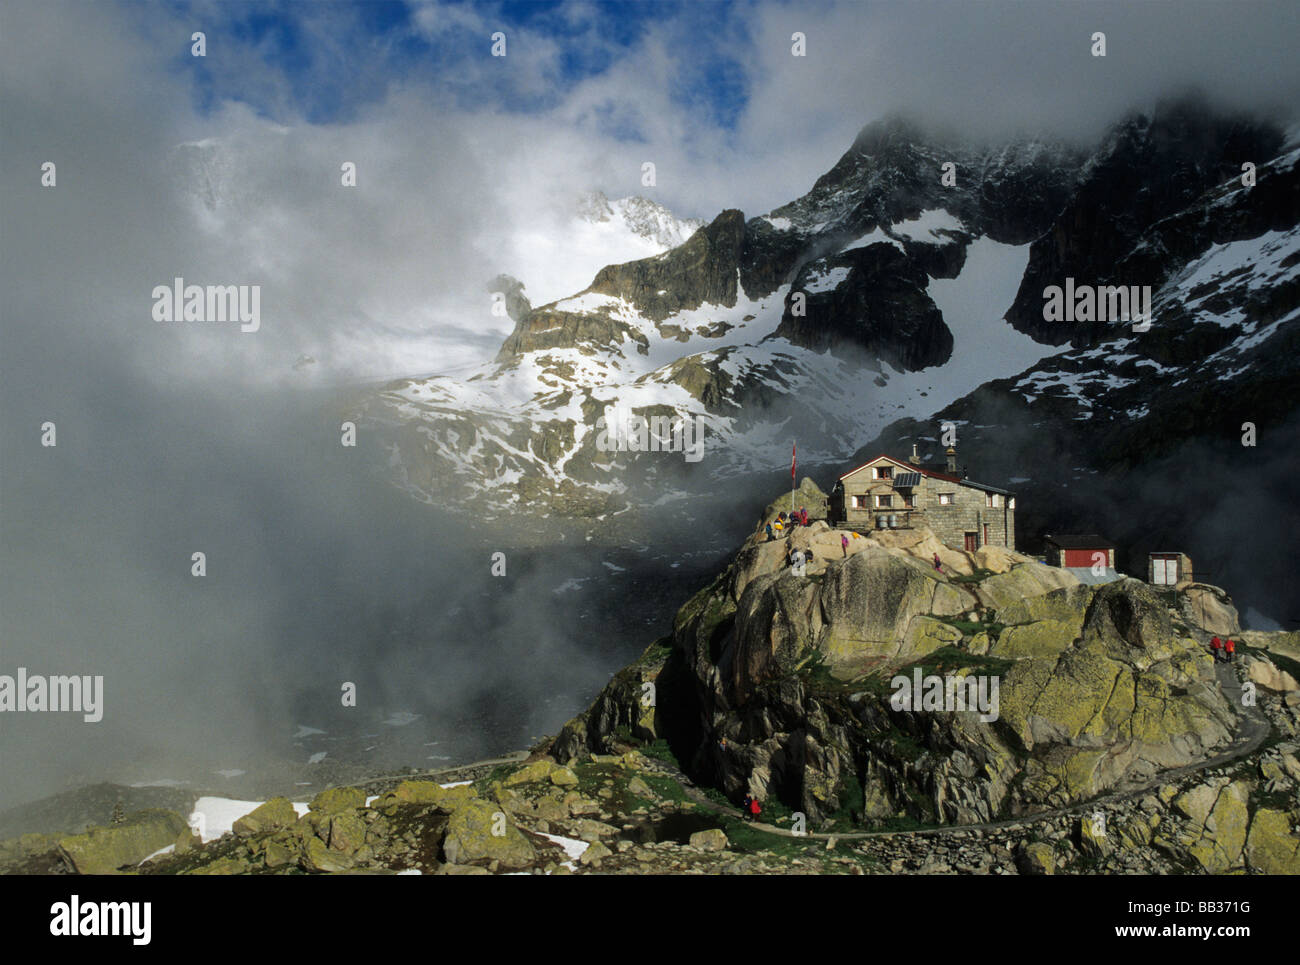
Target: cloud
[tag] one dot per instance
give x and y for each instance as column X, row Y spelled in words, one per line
column 462, row 156
column 993, row 70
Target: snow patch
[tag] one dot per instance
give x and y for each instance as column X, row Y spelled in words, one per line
column 875, row 236
column 827, row 281
column 927, row 225
column 214, row 816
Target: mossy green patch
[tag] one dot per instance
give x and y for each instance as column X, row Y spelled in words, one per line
column 977, row 576
column 951, row 659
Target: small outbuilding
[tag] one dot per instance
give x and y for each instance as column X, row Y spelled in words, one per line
column 1079, row 550
column 1089, row 557
column 1167, row 568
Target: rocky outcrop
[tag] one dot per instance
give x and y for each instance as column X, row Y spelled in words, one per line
column 1114, row 203
column 274, row 815
column 780, row 684
column 1124, row 699
column 1266, row 673
column 880, row 307
column 548, row 327
column 106, row 850
column 1210, row 609
column 704, row 269
column 479, row 831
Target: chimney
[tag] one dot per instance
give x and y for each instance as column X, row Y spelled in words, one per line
column 915, row 460
column 952, row 461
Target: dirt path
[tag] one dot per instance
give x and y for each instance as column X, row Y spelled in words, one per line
column 1252, row 730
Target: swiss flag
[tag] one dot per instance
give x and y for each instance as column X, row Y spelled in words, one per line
column 792, row 462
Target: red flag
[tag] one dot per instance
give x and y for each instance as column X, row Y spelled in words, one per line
column 792, row 462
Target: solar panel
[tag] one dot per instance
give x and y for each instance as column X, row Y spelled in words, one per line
column 906, row 480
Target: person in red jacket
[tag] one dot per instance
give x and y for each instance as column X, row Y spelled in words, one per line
column 1230, row 648
column 1215, row 646
column 755, row 809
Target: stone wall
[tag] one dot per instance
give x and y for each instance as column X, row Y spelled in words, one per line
column 968, row 513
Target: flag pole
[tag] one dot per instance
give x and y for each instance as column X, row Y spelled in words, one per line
column 793, row 447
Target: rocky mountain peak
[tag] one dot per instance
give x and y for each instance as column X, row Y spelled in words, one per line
column 1149, row 168
column 643, row 217
column 704, row 269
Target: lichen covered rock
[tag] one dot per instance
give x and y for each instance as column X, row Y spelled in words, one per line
column 270, row 816
column 105, row 850
column 336, row 799
column 480, row 832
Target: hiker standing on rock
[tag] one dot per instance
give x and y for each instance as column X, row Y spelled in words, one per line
column 1230, row 648
column 1215, row 646
column 937, row 565
column 770, row 535
column 844, row 542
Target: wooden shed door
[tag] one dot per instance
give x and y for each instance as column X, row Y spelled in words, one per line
column 1078, row 557
column 970, row 542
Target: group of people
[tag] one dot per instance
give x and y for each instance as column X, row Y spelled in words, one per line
column 786, row 521
column 1227, row 648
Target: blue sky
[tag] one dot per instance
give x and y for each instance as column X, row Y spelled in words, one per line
column 326, row 61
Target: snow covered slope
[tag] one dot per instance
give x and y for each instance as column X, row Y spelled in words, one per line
column 878, row 296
